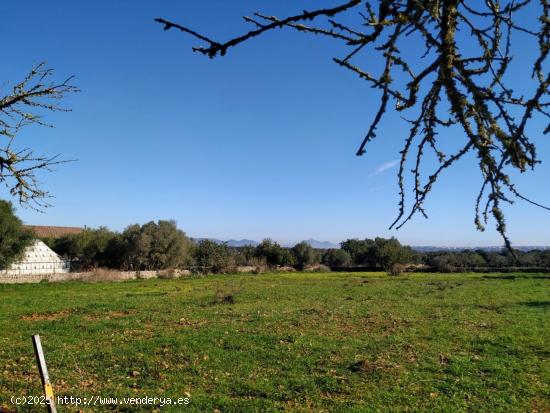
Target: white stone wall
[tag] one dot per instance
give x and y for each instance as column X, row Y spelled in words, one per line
column 38, row 259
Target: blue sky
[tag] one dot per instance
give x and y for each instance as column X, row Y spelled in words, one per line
column 259, row 143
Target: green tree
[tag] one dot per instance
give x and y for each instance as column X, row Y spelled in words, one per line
column 360, row 251
column 304, row 254
column 274, row 254
column 155, row 246
column 87, row 249
column 389, row 252
column 213, row 257
column 14, row 238
column 336, row 258
column 246, row 255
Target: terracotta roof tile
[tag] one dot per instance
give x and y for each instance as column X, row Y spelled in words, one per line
column 53, row 232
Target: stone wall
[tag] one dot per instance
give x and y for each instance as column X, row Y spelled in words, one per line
column 100, row 275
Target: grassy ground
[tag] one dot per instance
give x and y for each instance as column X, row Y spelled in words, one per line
column 295, row 342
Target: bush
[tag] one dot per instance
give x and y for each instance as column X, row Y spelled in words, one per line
column 14, row 238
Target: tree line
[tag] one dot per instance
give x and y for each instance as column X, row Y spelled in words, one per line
column 162, row 245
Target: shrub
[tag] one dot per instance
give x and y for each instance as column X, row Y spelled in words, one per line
column 14, row 238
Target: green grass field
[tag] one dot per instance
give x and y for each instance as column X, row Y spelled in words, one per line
column 291, row 342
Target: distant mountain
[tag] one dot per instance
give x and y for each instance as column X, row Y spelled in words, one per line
column 242, row 242
column 231, row 242
column 321, row 244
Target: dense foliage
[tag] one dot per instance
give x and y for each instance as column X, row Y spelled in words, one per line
column 304, row 255
column 13, row 237
column 274, row 254
column 210, row 256
column 336, row 258
column 480, row 260
column 378, row 253
column 161, row 245
column 153, row 246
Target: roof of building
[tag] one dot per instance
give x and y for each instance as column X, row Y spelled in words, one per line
column 53, row 232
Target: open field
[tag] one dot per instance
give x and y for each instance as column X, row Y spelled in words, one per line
column 296, row 342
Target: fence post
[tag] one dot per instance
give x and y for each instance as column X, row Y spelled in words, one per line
column 43, row 370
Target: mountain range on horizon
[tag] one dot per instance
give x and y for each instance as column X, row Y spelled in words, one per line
column 420, row 248
column 242, row 242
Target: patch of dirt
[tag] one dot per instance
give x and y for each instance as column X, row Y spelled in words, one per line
column 107, row 316
column 47, row 316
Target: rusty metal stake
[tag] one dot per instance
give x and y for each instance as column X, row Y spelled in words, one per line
column 43, row 370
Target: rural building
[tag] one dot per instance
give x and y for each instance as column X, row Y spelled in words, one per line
column 38, row 258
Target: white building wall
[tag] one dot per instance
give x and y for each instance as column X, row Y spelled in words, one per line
column 38, row 259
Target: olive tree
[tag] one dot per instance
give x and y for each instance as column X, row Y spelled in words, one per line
column 336, row 258
column 155, row 246
column 304, row 254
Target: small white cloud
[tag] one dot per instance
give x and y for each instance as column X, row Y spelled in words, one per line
column 384, row 167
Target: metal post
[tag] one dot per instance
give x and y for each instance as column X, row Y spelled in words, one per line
column 43, row 370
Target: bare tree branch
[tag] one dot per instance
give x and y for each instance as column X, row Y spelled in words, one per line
column 461, row 84
column 19, row 108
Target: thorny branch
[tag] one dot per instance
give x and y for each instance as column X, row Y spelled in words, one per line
column 18, row 108
column 456, row 86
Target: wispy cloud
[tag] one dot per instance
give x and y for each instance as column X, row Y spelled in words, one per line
column 384, row 167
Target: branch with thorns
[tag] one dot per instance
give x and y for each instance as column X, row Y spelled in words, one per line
column 454, row 87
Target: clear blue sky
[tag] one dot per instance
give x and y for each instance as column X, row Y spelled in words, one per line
column 258, row 143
